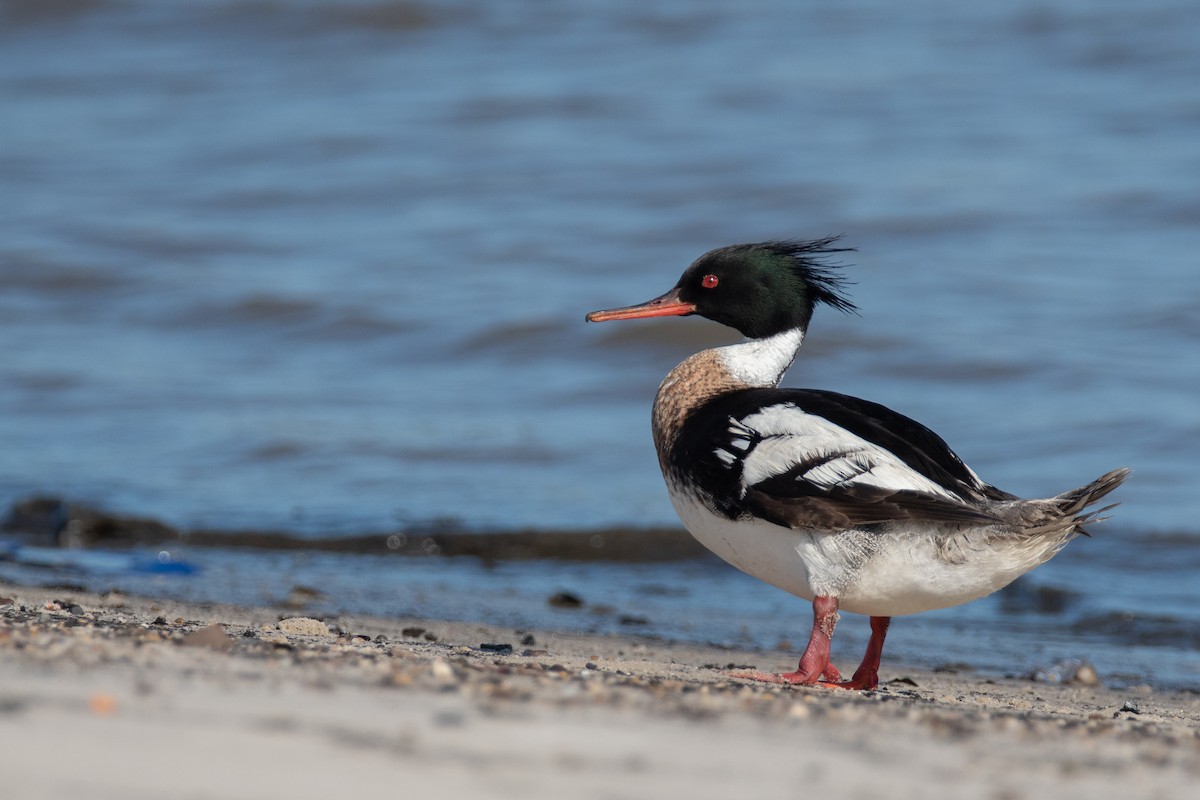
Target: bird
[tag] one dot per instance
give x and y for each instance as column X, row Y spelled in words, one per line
column 835, row 499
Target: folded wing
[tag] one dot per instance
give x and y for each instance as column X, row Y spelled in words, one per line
column 812, row 459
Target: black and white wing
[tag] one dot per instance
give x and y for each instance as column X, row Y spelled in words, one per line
column 812, row 459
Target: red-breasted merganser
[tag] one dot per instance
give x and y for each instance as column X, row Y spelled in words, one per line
column 834, row 499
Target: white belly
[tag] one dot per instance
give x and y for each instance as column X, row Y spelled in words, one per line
column 881, row 574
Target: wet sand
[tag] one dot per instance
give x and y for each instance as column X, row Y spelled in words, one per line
column 121, row 697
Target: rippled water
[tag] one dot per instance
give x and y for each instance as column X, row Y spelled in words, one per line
column 322, row 266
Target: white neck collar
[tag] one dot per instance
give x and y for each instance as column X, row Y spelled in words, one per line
column 762, row 362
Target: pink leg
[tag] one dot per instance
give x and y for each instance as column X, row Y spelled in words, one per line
column 867, row 674
column 814, row 664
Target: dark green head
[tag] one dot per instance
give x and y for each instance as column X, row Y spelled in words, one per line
column 759, row 289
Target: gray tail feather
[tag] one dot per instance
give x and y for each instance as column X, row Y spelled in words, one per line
column 1072, row 504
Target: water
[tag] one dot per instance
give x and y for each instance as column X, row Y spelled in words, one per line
column 322, row 266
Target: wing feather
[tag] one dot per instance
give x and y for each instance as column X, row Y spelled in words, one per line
column 790, row 464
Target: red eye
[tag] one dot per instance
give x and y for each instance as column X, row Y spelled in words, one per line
column 709, row 281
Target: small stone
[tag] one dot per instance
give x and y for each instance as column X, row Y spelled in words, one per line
column 526, row 640
column 1069, row 671
column 412, row 633
column 102, row 704
column 503, row 649
column 1086, row 675
column 213, row 637
column 304, row 626
column 300, row 596
column 159, row 621
column 565, row 600
column 799, row 711
column 443, row 673
column 1132, row 707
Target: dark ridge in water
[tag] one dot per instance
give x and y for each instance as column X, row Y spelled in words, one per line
column 521, row 341
column 285, row 19
column 978, row 370
column 37, row 273
column 1146, row 630
column 610, row 545
column 1022, row 597
column 394, row 16
column 143, row 241
column 311, row 319
column 51, row 521
column 37, row 12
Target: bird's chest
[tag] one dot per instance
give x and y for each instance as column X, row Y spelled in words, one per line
column 687, row 387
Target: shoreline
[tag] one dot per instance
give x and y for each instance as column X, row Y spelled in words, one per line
column 134, row 697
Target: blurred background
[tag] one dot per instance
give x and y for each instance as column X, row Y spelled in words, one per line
column 321, row 266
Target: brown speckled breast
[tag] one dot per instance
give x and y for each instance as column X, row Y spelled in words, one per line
column 695, row 381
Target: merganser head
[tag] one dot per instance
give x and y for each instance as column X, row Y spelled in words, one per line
column 759, row 289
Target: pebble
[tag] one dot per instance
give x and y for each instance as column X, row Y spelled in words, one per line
column 443, row 673
column 304, row 626
column 1069, row 671
column 102, row 704
column 565, row 600
column 213, row 637
column 490, row 647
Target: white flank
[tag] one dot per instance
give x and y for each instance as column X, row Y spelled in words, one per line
column 883, row 574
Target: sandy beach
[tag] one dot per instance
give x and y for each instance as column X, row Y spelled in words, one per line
column 109, row 696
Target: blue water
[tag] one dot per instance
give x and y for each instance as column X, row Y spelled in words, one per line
column 322, row 266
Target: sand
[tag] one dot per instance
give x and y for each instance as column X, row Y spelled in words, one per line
column 121, row 697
